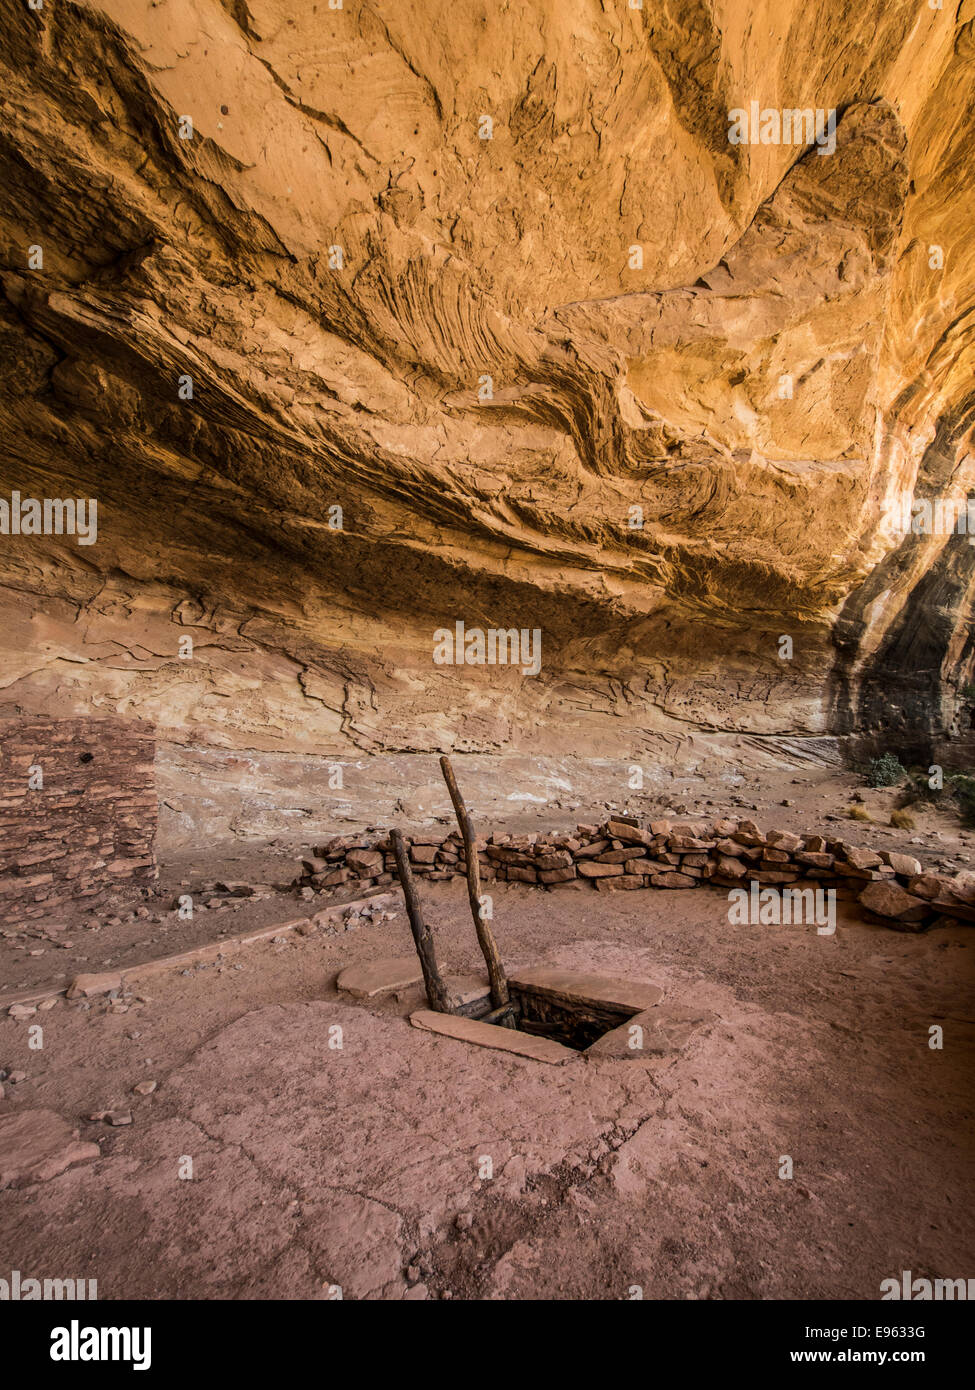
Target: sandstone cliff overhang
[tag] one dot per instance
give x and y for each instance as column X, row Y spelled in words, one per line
column 681, row 455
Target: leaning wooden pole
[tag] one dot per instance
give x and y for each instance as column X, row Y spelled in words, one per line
column 437, row 995
column 485, row 937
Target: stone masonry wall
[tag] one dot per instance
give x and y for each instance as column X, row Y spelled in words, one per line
column 77, row 812
column 621, row 854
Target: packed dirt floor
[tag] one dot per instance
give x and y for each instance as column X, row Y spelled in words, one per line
column 361, row 1166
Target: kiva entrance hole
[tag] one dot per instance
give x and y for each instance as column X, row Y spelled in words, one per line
column 570, row 1022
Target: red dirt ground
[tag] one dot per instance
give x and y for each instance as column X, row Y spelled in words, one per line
column 316, row 1166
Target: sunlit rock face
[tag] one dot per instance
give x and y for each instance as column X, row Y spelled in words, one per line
column 607, row 375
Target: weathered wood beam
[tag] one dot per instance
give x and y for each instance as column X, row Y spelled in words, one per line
column 437, row 994
column 489, row 947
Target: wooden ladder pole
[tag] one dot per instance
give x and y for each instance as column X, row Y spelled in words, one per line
column 485, row 937
column 437, row 995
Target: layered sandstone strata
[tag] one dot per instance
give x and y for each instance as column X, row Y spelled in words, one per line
column 259, row 337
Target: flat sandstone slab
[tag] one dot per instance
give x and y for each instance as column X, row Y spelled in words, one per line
column 36, row 1145
column 469, row 1030
column 379, row 976
column 467, row 989
column 663, row 1032
column 605, row 990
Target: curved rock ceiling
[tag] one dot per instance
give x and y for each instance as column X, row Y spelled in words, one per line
column 620, row 391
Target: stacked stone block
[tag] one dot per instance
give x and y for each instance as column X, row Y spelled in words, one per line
column 623, row 855
column 77, row 812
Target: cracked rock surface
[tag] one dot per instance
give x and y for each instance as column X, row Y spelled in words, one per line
column 363, row 1165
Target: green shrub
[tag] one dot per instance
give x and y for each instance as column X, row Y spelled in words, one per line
column 918, row 788
column 963, row 788
column 885, row 771
column 957, row 794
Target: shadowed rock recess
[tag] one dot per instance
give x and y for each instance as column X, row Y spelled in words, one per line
column 753, row 349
